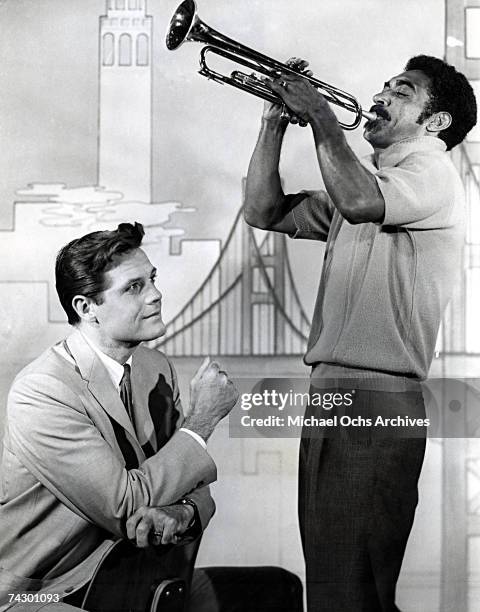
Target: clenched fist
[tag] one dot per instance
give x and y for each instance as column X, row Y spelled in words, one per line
column 212, row 397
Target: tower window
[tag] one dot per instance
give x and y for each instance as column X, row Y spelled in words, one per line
column 108, row 50
column 132, row 5
column 120, row 5
column 125, row 50
column 142, row 50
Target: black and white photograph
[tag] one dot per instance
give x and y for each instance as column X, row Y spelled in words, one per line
column 239, row 306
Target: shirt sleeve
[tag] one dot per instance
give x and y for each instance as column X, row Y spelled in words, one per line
column 312, row 215
column 419, row 193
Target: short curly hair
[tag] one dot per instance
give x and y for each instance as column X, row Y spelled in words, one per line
column 81, row 264
column 449, row 91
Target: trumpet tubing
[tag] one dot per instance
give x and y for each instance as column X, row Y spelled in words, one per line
column 185, row 25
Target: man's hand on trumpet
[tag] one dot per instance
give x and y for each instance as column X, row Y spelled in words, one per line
column 278, row 112
column 303, row 100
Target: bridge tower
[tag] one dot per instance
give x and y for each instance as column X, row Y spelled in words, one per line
column 125, row 99
column 462, row 30
column 263, row 292
column 459, row 524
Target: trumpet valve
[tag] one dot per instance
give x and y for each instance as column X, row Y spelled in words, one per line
column 246, row 79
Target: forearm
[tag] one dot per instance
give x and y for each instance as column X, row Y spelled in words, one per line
column 352, row 188
column 264, row 193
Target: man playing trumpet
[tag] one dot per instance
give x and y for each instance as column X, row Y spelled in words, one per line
column 394, row 229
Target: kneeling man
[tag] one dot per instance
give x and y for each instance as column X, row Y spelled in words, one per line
column 96, row 444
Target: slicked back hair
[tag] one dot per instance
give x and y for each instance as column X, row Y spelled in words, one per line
column 449, row 91
column 81, row 264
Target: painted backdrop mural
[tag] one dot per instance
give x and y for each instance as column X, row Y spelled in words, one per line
column 100, row 124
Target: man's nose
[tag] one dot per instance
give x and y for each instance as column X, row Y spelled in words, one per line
column 381, row 98
column 154, row 295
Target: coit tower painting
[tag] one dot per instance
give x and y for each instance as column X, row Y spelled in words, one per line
column 125, row 135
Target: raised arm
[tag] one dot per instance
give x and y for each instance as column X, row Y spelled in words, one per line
column 352, row 188
column 266, row 205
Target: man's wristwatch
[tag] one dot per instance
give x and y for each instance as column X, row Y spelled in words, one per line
column 189, row 502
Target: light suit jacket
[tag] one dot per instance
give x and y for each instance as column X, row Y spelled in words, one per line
column 64, row 485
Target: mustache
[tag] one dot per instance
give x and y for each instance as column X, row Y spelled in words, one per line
column 380, row 111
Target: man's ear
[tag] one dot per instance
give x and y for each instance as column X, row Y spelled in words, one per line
column 439, row 122
column 85, row 308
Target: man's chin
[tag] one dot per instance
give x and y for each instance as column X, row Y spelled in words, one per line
column 157, row 332
column 367, row 133
column 372, row 131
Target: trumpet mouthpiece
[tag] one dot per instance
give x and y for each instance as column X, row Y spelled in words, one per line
column 369, row 116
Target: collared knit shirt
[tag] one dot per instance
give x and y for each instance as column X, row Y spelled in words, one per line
column 384, row 286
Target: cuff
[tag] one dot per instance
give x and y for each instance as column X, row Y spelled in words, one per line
column 195, row 436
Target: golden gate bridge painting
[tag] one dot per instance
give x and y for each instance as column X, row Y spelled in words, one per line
column 247, row 305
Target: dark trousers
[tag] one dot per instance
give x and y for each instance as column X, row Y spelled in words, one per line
column 357, row 499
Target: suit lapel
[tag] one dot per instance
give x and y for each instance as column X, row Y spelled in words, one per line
column 101, row 386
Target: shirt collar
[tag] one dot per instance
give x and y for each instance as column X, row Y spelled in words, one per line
column 395, row 153
column 115, row 370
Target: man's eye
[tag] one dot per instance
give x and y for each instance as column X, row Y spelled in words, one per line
column 134, row 288
column 401, row 94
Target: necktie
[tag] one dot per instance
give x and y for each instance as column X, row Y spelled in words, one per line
column 128, row 452
column 126, row 391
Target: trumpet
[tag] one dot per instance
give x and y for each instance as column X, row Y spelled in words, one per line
column 185, row 25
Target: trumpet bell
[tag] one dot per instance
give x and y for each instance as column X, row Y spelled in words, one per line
column 181, row 24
